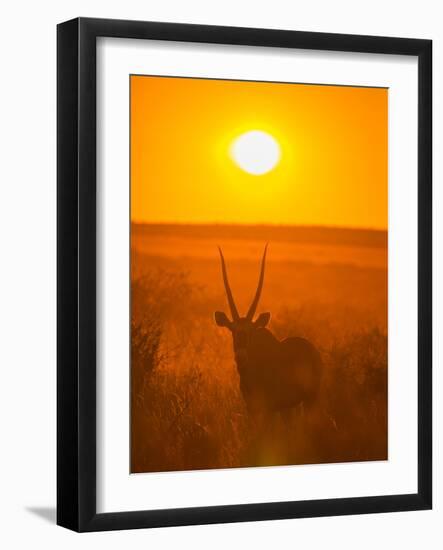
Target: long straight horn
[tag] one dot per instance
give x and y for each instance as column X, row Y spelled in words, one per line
column 253, row 307
column 233, row 308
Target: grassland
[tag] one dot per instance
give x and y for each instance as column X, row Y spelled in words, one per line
column 327, row 285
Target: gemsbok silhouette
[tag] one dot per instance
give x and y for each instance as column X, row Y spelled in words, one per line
column 275, row 376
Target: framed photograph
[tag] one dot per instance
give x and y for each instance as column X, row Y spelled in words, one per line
column 244, row 274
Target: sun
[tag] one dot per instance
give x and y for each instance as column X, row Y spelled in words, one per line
column 255, row 152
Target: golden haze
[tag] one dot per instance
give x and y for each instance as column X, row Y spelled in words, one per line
column 325, row 284
column 334, row 162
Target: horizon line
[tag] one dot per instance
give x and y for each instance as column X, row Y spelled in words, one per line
column 263, row 224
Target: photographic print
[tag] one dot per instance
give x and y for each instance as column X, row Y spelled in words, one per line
column 223, row 306
column 259, row 273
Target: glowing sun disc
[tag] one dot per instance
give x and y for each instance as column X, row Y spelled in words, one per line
column 256, row 152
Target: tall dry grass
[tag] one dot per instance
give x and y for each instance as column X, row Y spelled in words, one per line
column 187, row 409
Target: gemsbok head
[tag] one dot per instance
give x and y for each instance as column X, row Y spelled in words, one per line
column 274, row 375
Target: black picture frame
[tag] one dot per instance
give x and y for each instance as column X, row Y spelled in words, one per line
column 76, row 274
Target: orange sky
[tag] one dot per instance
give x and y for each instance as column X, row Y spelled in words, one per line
column 333, row 168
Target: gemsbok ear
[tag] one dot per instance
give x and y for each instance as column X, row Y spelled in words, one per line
column 262, row 320
column 222, row 320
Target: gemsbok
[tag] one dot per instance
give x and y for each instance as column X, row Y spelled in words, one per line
column 275, row 376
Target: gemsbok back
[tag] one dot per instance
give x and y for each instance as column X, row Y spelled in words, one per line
column 275, row 376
